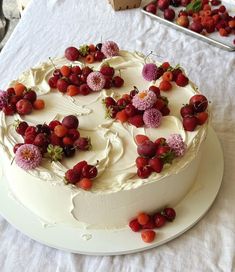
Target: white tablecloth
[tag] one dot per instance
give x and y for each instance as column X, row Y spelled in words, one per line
column 45, row 30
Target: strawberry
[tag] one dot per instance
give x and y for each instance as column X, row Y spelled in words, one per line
column 190, row 123
column 122, row 116
column 181, row 80
column 109, row 101
column 140, row 139
column 165, row 153
column 72, row 176
column 144, row 172
column 156, row 164
column 165, row 86
column 134, row 225
column 112, row 111
column 136, row 120
column 53, row 124
column 160, row 141
column 21, row 128
column 148, row 236
column 141, row 162
column 165, row 111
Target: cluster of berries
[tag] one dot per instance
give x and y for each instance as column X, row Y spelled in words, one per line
column 91, row 53
column 194, row 113
column 168, row 73
column 153, row 155
column 138, row 108
column 75, row 80
column 19, row 99
column 145, row 223
column 56, row 140
column 81, row 175
column 204, row 18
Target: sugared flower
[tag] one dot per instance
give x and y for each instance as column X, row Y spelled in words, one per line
column 3, row 99
column 152, row 118
column 96, row 81
column 149, row 71
column 144, row 100
column 176, row 143
column 28, row 156
column 110, row 49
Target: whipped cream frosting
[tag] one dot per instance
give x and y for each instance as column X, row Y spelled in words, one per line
column 113, row 144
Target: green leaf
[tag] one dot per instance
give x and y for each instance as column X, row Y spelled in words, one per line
column 195, row 6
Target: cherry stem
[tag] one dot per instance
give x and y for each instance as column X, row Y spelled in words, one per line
column 52, row 62
column 12, row 160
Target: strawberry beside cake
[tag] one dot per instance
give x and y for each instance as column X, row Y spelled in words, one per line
column 112, row 134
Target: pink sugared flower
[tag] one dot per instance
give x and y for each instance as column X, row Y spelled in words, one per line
column 152, row 118
column 149, row 72
column 176, row 143
column 144, row 100
column 3, row 99
column 28, row 156
column 110, row 49
column 96, row 81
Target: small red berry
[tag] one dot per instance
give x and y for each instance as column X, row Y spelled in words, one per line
column 134, row 225
column 141, row 162
column 140, row 139
column 181, row 80
column 143, row 218
column 144, row 172
column 148, row 236
column 72, row 176
column 85, row 184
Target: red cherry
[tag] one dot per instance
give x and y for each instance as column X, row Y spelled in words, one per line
column 72, row 53
column 169, row 213
column 199, row 102
column 160, row 220
column 187, row 110
column 89, row 171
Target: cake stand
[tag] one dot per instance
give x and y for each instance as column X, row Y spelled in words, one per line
column 123, row 241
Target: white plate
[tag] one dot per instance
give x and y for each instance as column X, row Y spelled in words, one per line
column 123, row 241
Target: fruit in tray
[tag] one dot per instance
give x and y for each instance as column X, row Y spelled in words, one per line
column 201, row 16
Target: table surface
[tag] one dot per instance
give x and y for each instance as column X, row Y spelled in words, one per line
column 47, row 27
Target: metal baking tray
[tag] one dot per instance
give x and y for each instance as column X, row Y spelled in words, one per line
column 215, row 39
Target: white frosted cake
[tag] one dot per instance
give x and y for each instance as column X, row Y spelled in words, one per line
column 117, row 193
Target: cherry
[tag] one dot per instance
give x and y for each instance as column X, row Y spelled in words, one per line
column 199, row 102
column 89, row 171
column 151, row 8
column 30, row 95
column 163, row 4
column 169, row 214
column 169, row 14
column 72, row 53
column 187, row 110
column 70, row 121
column 24, row 107
column 147, row 149
column 160, row 220
column 69, row 150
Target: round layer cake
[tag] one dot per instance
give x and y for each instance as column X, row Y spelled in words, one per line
column 118, row 193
